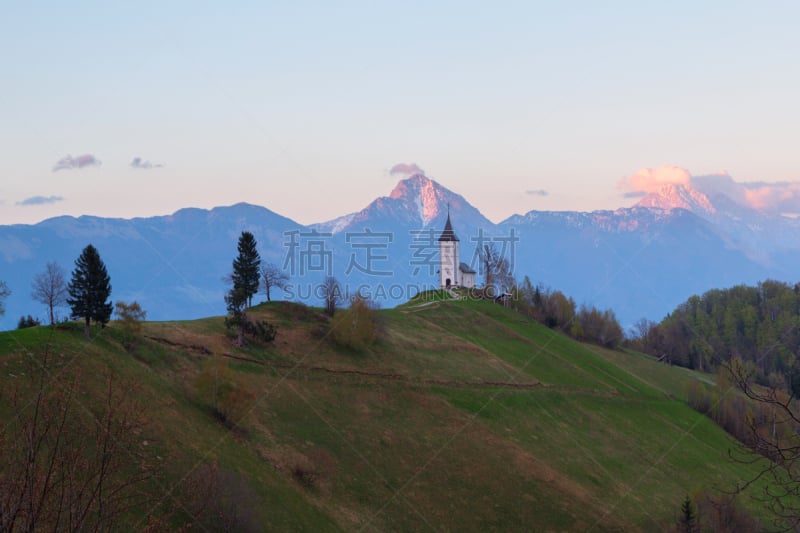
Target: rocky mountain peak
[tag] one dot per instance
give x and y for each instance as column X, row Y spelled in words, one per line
column 674, row 196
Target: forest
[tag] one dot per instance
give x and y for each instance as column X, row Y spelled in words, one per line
column 756, row 324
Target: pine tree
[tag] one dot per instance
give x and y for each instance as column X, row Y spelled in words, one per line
column 89, row 289
column 687, row 521
column 246, row 273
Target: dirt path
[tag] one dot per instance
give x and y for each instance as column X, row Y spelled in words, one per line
column 512, row 385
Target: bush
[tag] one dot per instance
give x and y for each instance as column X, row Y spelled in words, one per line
column 229, row 397
column 130, row 318
column 357, row 327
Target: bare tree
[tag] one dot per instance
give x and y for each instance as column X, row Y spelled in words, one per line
column 773, row 440
column 4, row 293
column 272, row 277
column 50, row 288
column 331, row 294
column 66, row 466
column 496, row 270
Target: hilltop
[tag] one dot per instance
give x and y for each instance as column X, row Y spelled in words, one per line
column 464, row 416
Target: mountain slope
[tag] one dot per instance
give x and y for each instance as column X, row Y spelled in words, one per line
column 173, row 265
column 640, row 261
column 415, row 203
column 465, row 416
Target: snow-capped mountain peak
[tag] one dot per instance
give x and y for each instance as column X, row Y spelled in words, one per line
column 423, row 193
column 673, row 196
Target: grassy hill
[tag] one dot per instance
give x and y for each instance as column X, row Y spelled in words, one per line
column 464, row 416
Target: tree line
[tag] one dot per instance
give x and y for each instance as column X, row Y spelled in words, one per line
column 558, row 311
column 758, row 324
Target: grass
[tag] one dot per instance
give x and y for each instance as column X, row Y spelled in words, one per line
column 427, row 430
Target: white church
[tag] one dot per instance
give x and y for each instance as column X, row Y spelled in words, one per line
column 452, row 272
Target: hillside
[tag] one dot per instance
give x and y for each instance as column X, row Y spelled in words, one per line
column 465, row 416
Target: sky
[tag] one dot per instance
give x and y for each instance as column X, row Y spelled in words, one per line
column 130, row 109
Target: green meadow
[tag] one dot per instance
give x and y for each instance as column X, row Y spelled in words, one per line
column 463, row 416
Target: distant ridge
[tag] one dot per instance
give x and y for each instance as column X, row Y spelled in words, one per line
column 641, row 261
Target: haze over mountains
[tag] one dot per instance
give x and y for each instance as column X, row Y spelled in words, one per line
column 679, row 239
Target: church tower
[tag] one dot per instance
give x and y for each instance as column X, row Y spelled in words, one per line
column 449, row 260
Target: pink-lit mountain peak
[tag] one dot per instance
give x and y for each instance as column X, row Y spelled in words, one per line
column 422, row 193
column 675, row 196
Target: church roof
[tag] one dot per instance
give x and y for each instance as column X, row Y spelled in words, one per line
column 465, row 268
column 448, row 234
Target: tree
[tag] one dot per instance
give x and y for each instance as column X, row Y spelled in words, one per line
column 246, row 274
column 235, row 302
column 687, row 522
column 273, row 277
column 71, row 465
column 130, row 317
column 27, row 322
column 497, row 270
column 4, row 293
column 331, row 294
column 50, row 288
column 89, row 289
column 237, row 318
column 773, row 439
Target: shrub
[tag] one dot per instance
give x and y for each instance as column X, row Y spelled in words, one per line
column 228, row 396
column 357, row 327
column 130, row 318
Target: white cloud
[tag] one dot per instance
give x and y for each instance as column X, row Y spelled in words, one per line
column 405, row 170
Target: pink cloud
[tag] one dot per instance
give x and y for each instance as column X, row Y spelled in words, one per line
column 647, row 180
column 783, row 197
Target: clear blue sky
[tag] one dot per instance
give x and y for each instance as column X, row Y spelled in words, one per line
column 303, row 107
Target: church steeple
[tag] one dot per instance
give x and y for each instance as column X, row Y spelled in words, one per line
column 448, row 234
column 449, row 275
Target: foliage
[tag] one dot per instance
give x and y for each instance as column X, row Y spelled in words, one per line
column 89, row 289
column 235, row 303
column 5, row 292
column 557, row 311
column 229, row 397
column 130, row 318
column 50, row 288
column 760, row 324
column 272, row 277
column 246, row 274
column 28, row 322
column 357, row 327
column 237, row 319
column 66, row 467
column 600, row 327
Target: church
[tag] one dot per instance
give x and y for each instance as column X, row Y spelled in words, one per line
column 452, row 272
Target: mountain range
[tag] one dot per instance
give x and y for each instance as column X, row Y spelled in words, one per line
column 640, row 261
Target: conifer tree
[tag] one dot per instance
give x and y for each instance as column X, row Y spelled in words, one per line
column 89, row 289
column 246, row 273
column 687, row 522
